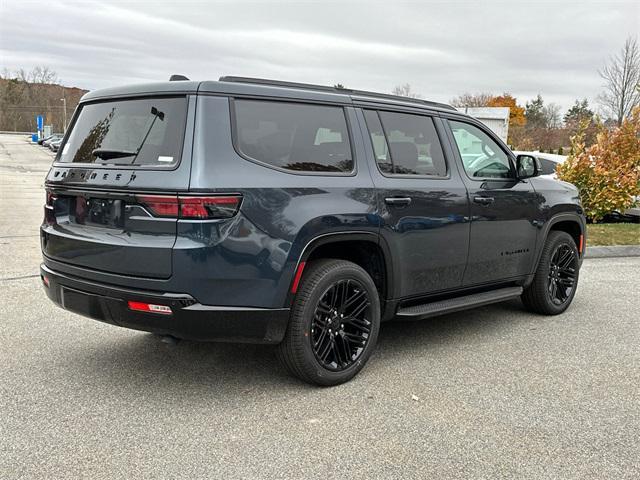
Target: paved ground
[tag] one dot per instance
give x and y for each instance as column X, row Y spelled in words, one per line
column 501, row 393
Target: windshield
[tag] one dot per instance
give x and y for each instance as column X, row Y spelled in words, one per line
column 127, row 132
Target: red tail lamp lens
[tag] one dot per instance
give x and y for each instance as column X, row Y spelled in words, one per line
column 160, row 205
column 149, row 308
column 50, row 198
column 209, row 207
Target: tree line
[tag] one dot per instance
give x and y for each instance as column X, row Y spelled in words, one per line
column 537, row 125
column 25, row 94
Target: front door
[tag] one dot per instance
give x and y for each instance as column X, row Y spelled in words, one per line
column 503, row 208
column 423, row 204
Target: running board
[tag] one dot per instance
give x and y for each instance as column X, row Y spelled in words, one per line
column 441, row 307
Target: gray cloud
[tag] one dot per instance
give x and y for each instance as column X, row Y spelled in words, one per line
column 441, row 48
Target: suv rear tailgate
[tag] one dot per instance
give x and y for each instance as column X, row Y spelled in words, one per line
column 107, row 231
column 118, row 151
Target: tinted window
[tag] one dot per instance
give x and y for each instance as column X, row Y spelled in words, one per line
column 414, row 145
column 128, row 132
column 293, row 136
column 380, row 148
column 547, row 167
column 481, row 155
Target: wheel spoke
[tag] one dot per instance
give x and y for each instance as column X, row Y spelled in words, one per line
column 344, row 290
column 326, row 349
column 334, row 297
column 323, row 335
column 360, row 307
column 359, row 323
column 567, row 282
column 323, row 307
column 355, row 338
column 566, row 261
column 346, row 350
column 354, row 298
column 336, row 351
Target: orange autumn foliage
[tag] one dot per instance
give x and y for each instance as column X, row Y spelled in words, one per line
column 608, row 172
column 516, row 112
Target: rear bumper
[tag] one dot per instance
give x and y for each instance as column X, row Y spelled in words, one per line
column 189, row 319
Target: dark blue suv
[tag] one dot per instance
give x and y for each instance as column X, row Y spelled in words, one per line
column 248, row 210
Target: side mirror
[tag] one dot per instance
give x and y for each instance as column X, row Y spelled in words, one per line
column 527, row 166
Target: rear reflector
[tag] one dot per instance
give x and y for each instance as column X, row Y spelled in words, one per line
column 296, row 280
column 581, row 244
column 150, row 308
column 198, row 208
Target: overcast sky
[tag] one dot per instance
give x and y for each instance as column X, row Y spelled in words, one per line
column 441, row 48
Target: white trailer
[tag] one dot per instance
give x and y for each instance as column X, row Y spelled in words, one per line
column 496, row 118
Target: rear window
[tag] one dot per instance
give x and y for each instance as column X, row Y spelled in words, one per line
column 128, row 132
column 293, row 136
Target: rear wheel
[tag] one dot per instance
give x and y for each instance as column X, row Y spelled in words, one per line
column 556, row 278
column 334, row 323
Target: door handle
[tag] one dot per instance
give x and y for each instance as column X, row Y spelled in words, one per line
column 483, row 200
column 397, row 201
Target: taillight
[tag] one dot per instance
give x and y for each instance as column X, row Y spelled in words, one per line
column 209, row 207
column 192, row 207
column 50, row 198
column 49, row 208
column 160, row 205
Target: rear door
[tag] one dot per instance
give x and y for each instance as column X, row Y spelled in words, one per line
column 423, row 202
column 102, row 209
column 504, row 210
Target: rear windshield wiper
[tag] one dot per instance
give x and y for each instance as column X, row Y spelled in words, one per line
column 106, row 153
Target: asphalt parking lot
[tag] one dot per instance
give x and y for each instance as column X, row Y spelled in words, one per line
column 490, row 393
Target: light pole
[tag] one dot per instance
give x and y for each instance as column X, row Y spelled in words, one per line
column 64, row 114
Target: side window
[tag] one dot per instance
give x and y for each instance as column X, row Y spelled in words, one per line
column 380, row 148
column 406, row 144
column 548, row 167
column 293, row 136
column 481, row 155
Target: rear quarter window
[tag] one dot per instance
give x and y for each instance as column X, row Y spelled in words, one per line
column 145, row 131
column 293, row 136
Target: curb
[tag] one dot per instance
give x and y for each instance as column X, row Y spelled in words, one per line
column 613, row 251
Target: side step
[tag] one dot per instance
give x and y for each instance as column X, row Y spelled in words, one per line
column 441, row 307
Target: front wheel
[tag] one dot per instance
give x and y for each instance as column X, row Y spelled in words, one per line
column 556, row 277
column 334, row 323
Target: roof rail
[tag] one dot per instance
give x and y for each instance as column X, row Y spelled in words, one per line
column 324, row 88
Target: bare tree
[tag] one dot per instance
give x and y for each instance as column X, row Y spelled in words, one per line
column 622, row 81
column 472, row 100
column 405, row 91
column 551, row 114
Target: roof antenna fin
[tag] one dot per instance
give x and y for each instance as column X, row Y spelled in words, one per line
column 177, row 78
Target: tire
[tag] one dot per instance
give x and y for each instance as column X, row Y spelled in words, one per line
column 354, row 326
column 539, row 297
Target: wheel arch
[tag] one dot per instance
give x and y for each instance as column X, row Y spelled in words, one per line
column 571, row 223
column 366, row 249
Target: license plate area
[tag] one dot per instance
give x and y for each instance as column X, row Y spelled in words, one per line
column 101, row 212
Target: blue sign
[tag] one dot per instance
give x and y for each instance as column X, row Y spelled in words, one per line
column 40, row 122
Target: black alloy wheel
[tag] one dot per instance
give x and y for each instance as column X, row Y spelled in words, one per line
column 334, row 323
column 562, row 273
column 340, row 327
column 556, row 278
